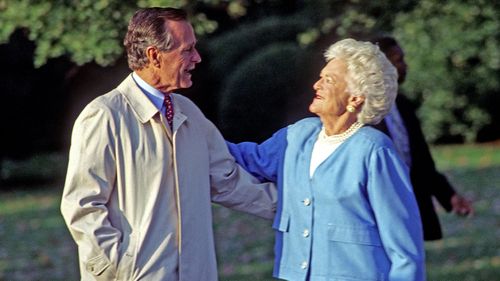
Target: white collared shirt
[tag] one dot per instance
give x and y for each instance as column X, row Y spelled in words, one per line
column 399, row 134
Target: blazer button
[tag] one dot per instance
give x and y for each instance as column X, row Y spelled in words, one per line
column 304, row 265
column 307, row 202
column 305, row 233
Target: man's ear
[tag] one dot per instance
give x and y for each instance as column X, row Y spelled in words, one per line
column 154, row 56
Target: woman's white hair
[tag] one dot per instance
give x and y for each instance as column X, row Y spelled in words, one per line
column 369, row 74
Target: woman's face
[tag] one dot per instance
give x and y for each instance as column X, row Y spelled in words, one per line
column 331, row 97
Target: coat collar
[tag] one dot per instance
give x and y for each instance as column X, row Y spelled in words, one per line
column 143, row 107
column 138, row 101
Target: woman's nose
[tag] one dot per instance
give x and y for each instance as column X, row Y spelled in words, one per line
column 316, row 85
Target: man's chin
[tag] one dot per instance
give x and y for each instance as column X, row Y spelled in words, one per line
column 187, row 83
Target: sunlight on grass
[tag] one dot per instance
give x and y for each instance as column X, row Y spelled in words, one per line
column 466, row 156
column 21, row 202
column 471, row 248
column 35, row 244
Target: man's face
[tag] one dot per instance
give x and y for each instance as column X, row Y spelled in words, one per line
column 331, row 96
column 176, row 64
column 397, row 57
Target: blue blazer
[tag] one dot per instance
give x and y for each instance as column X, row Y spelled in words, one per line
column 355, row 219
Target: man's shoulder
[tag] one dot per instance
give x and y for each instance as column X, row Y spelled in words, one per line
column 107, row 104
column 187, row 106
column 116, row 98
column 107, row 101
column 183, row 101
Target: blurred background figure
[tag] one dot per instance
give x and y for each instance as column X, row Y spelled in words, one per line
column 403, row 127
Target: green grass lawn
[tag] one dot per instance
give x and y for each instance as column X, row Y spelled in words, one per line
column 35, row 245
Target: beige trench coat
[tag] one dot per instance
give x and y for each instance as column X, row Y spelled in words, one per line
column 137, row 198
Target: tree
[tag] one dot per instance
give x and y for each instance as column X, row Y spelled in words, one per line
column 93, row 30
column 452, row 46
column 454, row 59
column 86, row 30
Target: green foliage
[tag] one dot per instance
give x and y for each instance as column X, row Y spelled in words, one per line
column 248, row 64
column 454, row 59
column 256, row 82
column 355, row 17
column 258, row 90
column 84, row 30
column 89, row 30
column 231, row 47
column 452, row 46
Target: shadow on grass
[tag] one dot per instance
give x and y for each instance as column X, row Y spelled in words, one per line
column 26, row 183
column 33, row 172
column 35, row 244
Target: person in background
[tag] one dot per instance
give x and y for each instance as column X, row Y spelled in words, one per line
column 403, row 127
column 346, row 209
column 145, row 165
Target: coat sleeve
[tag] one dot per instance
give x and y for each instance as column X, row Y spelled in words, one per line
column 232, row 186
column 425, row 176
column 88, row 186
column 261, row 160
column 396, row 212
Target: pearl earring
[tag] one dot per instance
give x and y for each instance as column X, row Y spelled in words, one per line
column 350, row 108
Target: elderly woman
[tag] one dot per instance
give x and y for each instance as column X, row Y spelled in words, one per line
column 346, row 210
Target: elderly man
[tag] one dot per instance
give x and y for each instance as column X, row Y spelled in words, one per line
column 145, row 165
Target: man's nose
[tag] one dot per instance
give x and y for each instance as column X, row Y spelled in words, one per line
column 196, row 57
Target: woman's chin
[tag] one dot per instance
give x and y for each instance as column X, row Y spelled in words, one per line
column 313, row 108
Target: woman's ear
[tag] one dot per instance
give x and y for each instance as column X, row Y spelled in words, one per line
column 356, row 101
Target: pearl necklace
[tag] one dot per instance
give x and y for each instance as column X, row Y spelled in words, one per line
column 342, row 136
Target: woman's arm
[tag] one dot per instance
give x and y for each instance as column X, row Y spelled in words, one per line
column 396, row 212
column 261, row 160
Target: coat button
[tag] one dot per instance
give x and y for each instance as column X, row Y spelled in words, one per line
column 307, row 202
column 304, row 265
column 305, row 233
